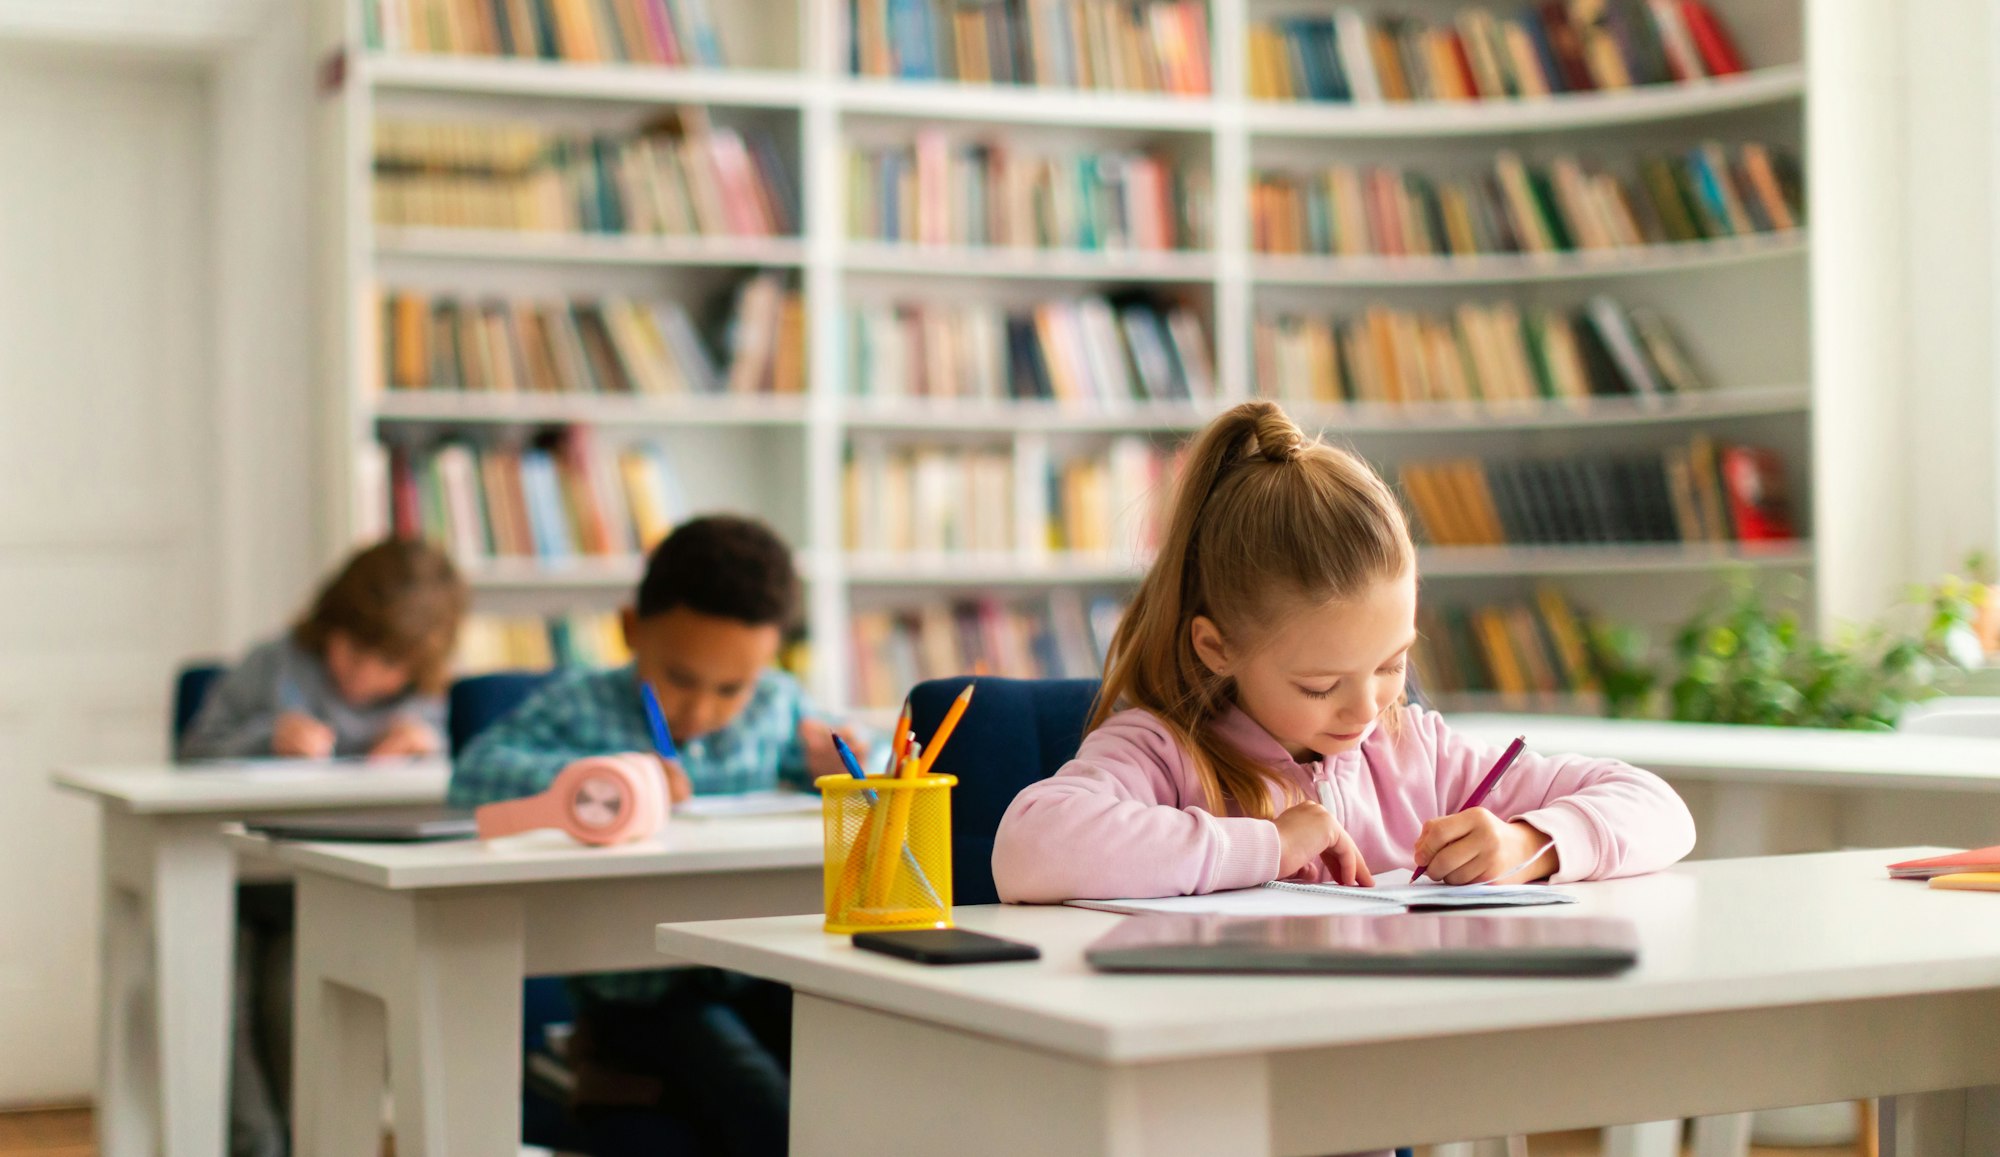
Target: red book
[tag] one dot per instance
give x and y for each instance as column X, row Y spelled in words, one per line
column 405, row 515
column 1566, row 47
column 1753, row 481
column 1463, row 61
column 1976, row 860
column 1711, row 39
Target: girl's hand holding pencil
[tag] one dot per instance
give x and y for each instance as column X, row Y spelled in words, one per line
column 1478, row 847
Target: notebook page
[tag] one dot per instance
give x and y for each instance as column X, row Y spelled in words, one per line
column 1261, row 901
column 1433, row 895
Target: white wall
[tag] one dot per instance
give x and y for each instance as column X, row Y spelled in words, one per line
column 154, row 418
column 107, row 521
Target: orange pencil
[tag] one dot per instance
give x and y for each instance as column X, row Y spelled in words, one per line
column 899, row 739
column 944, row 730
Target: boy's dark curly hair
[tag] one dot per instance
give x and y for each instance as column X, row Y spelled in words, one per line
column 722, row 565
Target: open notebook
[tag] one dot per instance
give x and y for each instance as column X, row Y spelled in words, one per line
column 1284, row 898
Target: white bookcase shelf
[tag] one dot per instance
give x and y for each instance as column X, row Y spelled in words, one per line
column 1740, row 304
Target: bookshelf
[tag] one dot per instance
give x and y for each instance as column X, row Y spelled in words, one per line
column 1738, row 303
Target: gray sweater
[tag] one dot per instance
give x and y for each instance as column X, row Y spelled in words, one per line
column 236, row 719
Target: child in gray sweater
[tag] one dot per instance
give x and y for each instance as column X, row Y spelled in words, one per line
column 362, row 673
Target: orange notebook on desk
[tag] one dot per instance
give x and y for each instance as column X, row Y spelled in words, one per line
column 1979, row 860
column 1968, row 881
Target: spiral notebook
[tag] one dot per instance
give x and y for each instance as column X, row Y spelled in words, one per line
column 1285, row 898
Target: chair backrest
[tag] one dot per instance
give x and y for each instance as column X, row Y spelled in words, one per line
column 191, row 687
column 1974, row 716
column 478, row 701
column 1017, row 731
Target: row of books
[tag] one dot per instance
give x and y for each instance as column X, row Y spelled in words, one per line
column 489, row 642
column 936, row 191
column 1062, row 635
column 1116, row 45
column 609, row 345
column 1496, row 353
column 930, row 499
column 668, row 32
column 1709, row 191
column 1088, row 350
column 558, row 499
column 1697, row 492
column 1539, row 648
column 681, row 176
column 1535, row 50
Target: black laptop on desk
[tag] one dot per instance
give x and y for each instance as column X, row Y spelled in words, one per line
column 1411, row 944
column 377, row 826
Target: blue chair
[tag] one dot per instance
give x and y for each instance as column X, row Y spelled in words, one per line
column 478, row 701
column 191, row 687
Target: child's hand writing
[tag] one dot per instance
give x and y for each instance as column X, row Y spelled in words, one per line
column 1307, row 830
column 407, row 736
column 679, row 786
column 1475, row 846
column 297, row 735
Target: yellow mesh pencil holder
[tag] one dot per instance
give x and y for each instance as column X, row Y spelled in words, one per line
column 888, row 851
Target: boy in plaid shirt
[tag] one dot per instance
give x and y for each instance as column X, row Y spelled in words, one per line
column 711, row 1048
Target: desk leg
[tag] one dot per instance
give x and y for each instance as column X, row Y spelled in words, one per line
column 339, row 1040
column 455, row 1029
column 167, row 948
column 1727, row 1135
column 1005, row 1099
column 127, row 1077
column 1953, row 1123
column 194, row 942
column 1651, row 1139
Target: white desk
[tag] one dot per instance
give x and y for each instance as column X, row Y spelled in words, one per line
column 168, row 931
column 418, row 951
column 1762, row 982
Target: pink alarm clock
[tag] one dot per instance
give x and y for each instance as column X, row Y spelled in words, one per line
column 599, row 800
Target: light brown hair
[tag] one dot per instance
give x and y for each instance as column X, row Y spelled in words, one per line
column 401, row 599
column 1264, row 523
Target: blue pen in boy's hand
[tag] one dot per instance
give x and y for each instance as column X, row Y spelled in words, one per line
column 663, row 740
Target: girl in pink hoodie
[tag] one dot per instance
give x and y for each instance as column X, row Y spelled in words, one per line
column 1264, row 656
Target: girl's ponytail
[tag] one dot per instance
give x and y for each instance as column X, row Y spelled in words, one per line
column 1259, row 510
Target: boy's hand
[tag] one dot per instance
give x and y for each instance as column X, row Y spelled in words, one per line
column 1474, row 847
column 821, row 758
column 679, row 787
column 297, row 735
column 407, row 736
column 1306, row 830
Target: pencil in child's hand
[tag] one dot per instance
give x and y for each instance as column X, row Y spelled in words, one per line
column 656, row 720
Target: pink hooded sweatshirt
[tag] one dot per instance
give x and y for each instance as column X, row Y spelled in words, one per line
column 1127, row 817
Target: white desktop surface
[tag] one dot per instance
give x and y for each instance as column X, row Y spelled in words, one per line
column 237, row 789
column 1722, row 934
column 1800, row 756
column 1780, row 980
column 746, row 843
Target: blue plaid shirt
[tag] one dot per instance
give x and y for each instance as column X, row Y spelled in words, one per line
column 599, row 712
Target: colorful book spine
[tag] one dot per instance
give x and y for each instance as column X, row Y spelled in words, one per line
column 1531, row 654
column 1498, row 355
column 1352, row 55
column 1695, row 492
column 1099, row 352
column 488, row 642
column 675, row 33
column 556, row 499
column 940, row 191
column 1064, row 635
column 1709, row 192
column 1105, row 45
column 684, row 177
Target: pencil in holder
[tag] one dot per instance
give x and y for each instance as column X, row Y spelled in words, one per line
column 888, row 851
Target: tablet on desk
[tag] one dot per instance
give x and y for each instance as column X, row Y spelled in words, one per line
column 381, row 825
column 1413, row 944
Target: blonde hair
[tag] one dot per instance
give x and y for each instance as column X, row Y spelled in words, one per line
column 401, row 599
column 1264, row 522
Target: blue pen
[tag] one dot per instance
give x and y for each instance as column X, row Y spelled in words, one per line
column 846, row 754
column 663, row 740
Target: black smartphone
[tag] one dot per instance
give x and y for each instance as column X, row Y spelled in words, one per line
column 946, row 946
